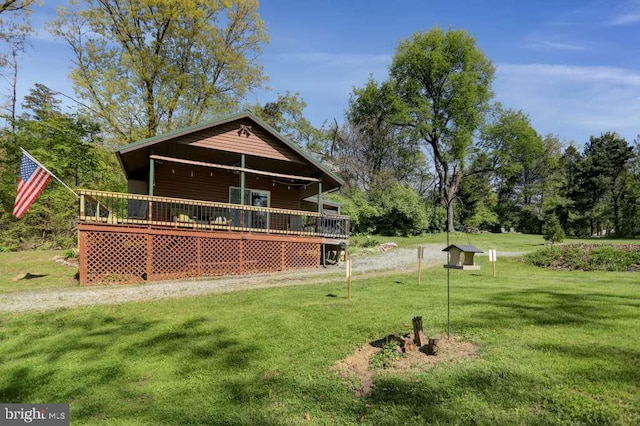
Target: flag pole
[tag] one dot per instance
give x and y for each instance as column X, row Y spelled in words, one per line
column 47, row 170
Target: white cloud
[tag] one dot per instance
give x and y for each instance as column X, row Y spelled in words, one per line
column 629, row 14
column 625, row 19
column 572, row 101
column 554, row 45
column 341, row 60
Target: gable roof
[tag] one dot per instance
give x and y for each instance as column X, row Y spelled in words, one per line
column 465, row 248
column 222, row 120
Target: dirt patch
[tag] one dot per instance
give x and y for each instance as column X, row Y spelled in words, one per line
column 358, row 366
column 66, row 261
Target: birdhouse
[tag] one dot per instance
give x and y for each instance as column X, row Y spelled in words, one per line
column 461, row 257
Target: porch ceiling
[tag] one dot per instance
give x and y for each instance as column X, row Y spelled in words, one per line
column 136, row 163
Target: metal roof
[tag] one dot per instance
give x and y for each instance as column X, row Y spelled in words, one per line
column 464, row 248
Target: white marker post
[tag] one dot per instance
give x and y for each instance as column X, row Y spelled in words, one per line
column 348, row 273
column 420, row 257
column 493, row 256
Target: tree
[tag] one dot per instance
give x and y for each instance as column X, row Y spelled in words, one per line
column 16, row 5
column 444, row 83
column 525, row 165
column 13, row 41
column 70, row 146
column 286, row 116
column 148, row 66
column 552, row 230
column 371, row 147
column 599, row 182
column 401, row 212
column 630, row 202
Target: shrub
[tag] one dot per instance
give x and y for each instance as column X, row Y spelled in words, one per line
column 401, row 211
column 362, row 214
column 552, row 230
column 587, row 257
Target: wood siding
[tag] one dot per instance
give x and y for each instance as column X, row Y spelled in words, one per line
column 226, row 137
column 201, row 183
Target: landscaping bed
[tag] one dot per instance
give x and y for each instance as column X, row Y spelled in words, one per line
column 588, row 257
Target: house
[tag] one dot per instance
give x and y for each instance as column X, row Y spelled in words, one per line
column 230, row 196
column 461, row 256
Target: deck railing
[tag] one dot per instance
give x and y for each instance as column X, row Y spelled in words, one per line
column 115, row 208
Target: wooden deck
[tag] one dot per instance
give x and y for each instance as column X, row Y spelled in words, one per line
column 113, row 208
column 128, row 238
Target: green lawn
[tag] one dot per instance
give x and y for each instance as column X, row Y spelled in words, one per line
column 34, row 270
column 485, row 241
column 554, row 348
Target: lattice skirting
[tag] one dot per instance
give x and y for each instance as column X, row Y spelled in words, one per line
column 120, row 257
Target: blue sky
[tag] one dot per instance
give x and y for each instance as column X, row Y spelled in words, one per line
column 572, row 66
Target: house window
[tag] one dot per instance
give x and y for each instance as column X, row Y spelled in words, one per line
column 252, row 197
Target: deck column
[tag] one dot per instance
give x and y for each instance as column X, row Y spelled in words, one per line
column 243, row 164
column 320, row 202
column 152, row 176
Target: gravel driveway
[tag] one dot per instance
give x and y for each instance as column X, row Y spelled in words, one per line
column 396, row 259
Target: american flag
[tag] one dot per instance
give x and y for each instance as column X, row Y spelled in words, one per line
column 33, row 179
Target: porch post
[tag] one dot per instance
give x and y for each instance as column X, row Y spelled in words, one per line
column 242, row 178
column 320, row 202
column 152, row 176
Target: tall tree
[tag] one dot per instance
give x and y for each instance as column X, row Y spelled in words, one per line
column 286, row 116
column 606, row 159
column 371, row 147
column 444, row 82
column 525, row 164
column 630, row 202
column 148, row 66
column 14, row 29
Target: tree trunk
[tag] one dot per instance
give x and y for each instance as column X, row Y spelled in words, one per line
column 450, row 227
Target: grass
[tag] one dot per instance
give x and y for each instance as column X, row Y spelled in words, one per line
column 501, row 242
column 554, row 348
column 34, row 270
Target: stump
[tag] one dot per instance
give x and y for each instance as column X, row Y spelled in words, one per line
column 432, row 347
column 408, row 345
column 418, row 334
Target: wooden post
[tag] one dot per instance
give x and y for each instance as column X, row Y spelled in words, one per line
column 199, row 257
column 81, row 207
column 82, row 257
column 243, row 162
column 320, row 202
column 149, row 257
column 241, row 257
column 493, row 256
column 282, row 256
column 418, row 334
column 152, row 176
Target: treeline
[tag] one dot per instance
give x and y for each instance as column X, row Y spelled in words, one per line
column 70, row 145
column 428, row 150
